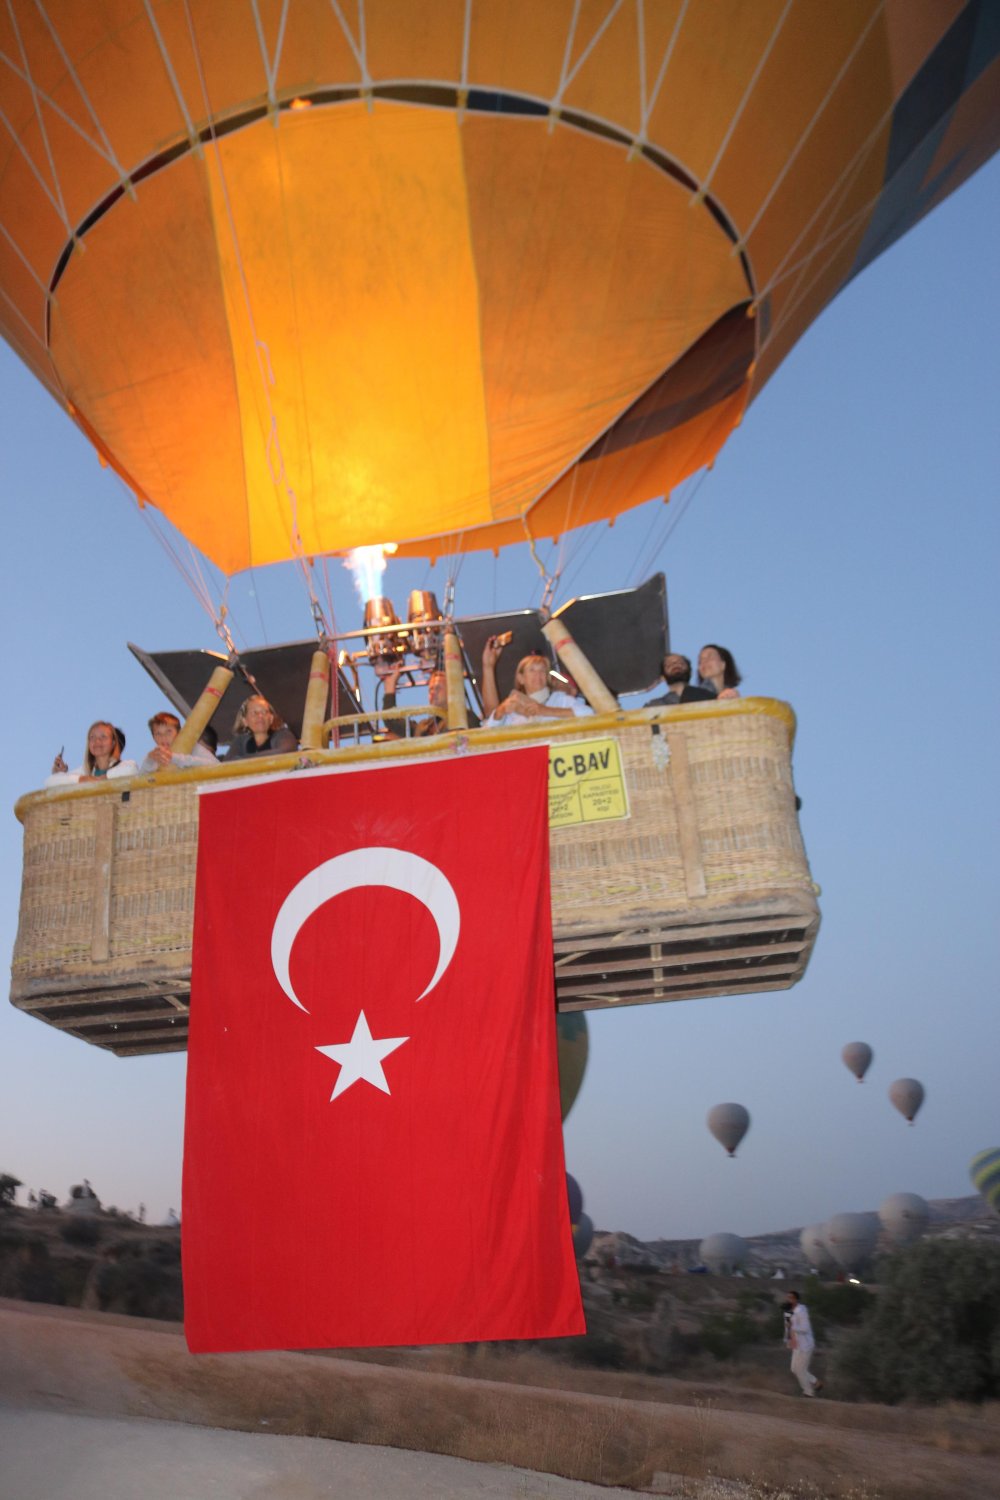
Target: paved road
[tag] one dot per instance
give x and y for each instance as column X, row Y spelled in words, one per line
column 47, row 1455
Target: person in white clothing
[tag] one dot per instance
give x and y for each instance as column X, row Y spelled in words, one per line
column 102, row 758
column 799, row 1338
column 532, row 698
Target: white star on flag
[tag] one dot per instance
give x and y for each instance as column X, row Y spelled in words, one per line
column 361, row 1057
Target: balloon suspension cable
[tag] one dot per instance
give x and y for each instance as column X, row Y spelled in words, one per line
column 550, row 581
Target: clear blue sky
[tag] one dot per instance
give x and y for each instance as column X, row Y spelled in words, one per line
column 846, row 548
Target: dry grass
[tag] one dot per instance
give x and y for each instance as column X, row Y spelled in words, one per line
column 620, row 1429
column 605, row 1438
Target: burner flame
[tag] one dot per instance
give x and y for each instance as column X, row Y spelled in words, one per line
column 368, row 565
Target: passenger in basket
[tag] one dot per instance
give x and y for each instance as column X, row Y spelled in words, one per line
column 437, row 697
column 677, row 676
column 103, row 758
column 165, row 728
column 717, row 670
column 532, row 698
column 259, row 731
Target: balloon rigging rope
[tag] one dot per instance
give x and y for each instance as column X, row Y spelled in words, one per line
column 664, row 528
column 192, row 574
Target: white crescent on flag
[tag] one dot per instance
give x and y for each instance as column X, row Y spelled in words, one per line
column 395, row 868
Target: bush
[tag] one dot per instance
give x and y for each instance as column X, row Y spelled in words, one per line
column 81, row 1231
column 934, row 1331
column 723, row 1335
column 8, row 1189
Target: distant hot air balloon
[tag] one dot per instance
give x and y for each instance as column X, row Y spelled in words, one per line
column 815, row 1248
column 851, row 1238
column 723, row 1253
column 904, row 1217
column 575, row 1195
column 583, row 1234
column 858, row 1057
column 573, row 1041
column 729, row 1123
column 984, row 1169
column 907, row 1094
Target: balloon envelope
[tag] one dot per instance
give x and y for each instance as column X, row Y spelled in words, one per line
column 904, row 1217
column 729, row 1123
column 583, row 1234
column 573, row 1042
column 984, row 1169
column 815, row 1248
column 907, row 1094
column 575, row 1194
column 450, row 271
column 858, row 1057
column 723, row 1253
column 851, row 1238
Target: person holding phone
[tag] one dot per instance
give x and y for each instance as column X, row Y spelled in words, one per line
column 102, row 758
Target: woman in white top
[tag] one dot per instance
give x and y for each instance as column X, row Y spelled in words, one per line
column 532, row 698
column 103, row 758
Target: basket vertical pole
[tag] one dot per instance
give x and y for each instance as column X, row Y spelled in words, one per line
column 317, row 693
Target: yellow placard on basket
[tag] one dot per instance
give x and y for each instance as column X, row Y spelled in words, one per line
column 586, row 784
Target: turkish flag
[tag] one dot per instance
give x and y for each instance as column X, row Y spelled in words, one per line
column 373, row 1146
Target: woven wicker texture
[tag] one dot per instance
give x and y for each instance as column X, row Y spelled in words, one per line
column 108, row 888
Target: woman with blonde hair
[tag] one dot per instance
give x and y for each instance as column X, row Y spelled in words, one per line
column 258, row 730
column 102, row 758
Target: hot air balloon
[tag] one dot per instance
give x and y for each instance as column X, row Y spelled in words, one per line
column 851, row 1238
column 450, row 277
column 904, row 1217
column 907, row 1095
column 857, row 1057
column 573, row 1041
column 984, row 1170
column 723, row 1253
column 583, row 1234
column 562, row 246
column 815, row 1248
column 729, row 1123
column 574, row 1193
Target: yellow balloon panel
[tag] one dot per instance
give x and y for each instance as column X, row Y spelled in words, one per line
column 352, row 303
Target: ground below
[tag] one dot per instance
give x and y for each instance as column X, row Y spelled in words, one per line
column 62, row 1369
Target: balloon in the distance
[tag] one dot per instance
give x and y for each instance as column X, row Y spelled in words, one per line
column 984, row 1169
column 574, row 1192
column 583, row 1234
column 729, row 1123
column 573, row 1042
column 815, row 1248
column 723, row 1253
column 907, row 1094
column 851, row 1238
column 904, row 1217
column 858, row 1058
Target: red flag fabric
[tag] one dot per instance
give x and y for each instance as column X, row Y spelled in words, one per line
column 373, row 1144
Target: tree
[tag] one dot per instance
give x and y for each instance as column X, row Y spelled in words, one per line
column 934, row 1332
column 8, row 1189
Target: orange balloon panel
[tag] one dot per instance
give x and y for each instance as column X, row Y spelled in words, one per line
column 450, row 274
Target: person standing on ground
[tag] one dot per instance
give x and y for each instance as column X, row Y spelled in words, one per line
column 799, row 1337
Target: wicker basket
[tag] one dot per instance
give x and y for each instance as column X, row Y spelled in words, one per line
column 701, row 889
